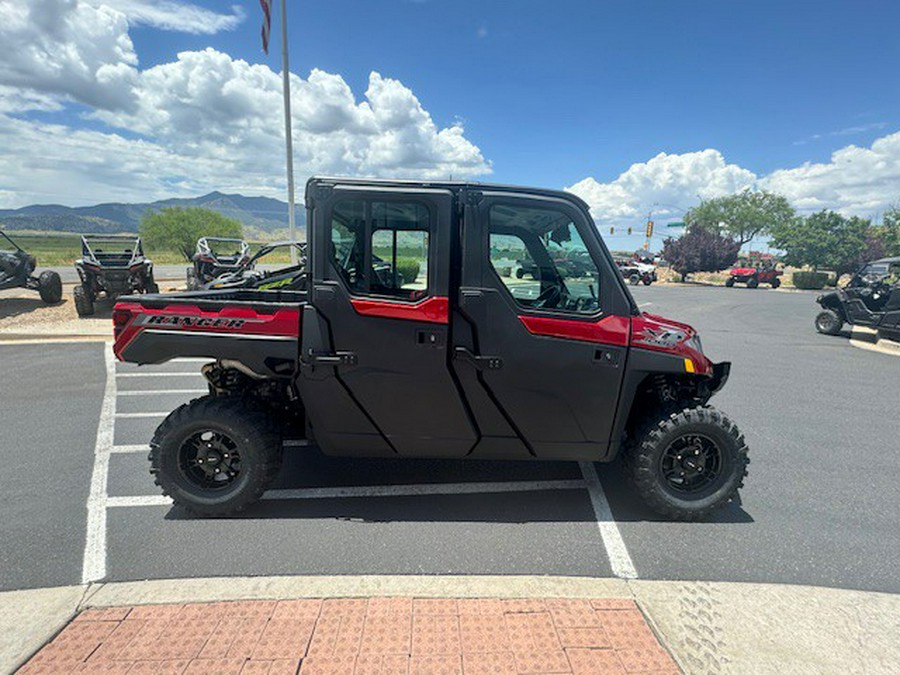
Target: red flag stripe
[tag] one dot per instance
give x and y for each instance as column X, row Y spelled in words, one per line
column 267, row 23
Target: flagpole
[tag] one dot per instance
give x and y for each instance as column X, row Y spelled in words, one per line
column 288, row 139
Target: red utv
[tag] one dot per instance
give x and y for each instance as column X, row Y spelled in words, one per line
column 753, row 276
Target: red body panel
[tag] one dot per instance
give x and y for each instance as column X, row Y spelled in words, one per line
column 743, row 271
column 610, row 330
column 764, row 276
column 130, row 318
column 656, row 333
column 432, row 310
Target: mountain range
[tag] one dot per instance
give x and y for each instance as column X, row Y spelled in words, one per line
column 260, row 215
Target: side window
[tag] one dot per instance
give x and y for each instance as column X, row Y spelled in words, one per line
column 542, row 260
column 382, row 247
column 348, row 230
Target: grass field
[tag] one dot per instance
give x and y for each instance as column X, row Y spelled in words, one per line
column 54, row 250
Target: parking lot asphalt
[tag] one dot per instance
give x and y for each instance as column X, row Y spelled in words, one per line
column 818, row 507
column 49, row 404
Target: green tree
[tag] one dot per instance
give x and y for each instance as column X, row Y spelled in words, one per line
column 824, row 239
column 700, row 250
column 742, row 216
column 179, row 229
column 888, row 233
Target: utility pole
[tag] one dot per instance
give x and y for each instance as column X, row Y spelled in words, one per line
column 288, row 138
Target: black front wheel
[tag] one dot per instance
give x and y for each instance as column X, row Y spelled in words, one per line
column 829, row 322
column 215, row 457
column 688, row 464
column 84, row 303
column 729, row 282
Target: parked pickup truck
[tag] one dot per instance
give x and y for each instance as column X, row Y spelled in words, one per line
column 453, row 358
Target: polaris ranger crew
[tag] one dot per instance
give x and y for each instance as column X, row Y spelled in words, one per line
column 414, row 338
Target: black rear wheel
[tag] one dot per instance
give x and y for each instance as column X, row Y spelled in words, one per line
column 50, row 287
column 752, row 282
column 729, row 282
column 214, row 456
column 688, row 464
column 776, row 282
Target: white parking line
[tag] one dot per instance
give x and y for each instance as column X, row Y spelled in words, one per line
column 140, row 414
column 425, row 489
column 154, row 392
column 145, row 447
column 619, row 560
column 94, row 562
column 125, row 449
column 184, row 374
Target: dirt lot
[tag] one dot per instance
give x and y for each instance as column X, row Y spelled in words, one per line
column 22, row 313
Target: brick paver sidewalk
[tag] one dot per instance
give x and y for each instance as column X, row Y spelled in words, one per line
column 359, row 636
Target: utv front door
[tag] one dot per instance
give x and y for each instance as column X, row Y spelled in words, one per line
column 550, row 343
column 375, row 373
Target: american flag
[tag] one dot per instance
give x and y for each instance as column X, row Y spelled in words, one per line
column 267, row 23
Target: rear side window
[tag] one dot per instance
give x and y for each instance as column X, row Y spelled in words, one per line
column 382, row 248
column 542, row 259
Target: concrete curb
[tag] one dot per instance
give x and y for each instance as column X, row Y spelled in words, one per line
column 708, row 627
column 863, row 337
column 40, row 338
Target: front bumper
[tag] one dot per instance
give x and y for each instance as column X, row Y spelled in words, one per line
column 720, row 374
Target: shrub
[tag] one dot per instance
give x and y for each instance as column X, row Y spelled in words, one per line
column 408, row 269
column 700, row 250
column 812, row 281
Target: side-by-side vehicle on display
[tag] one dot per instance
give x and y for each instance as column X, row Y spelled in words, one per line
column 753, row 274
column 287, row 277
column 871, row 299
column 17, row 271
column 214, row 257
column 111, row 265
column 453, row 358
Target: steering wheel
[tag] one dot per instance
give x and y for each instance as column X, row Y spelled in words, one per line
column 549, row 297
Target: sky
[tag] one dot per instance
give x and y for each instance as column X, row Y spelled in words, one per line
column 637, row 106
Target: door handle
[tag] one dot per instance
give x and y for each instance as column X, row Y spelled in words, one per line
column 330, row 359
column 480, row 362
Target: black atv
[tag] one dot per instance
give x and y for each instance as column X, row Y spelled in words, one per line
column 215, row 257
column 868, row 300
column 292, row 277
column 17, row 268
column 111, row 266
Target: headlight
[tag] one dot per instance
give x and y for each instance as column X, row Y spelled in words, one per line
column 694, row 343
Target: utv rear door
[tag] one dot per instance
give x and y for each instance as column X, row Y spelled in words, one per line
column 550, row 322
column 375, row 375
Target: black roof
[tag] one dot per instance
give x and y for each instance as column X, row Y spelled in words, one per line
column 453, row 185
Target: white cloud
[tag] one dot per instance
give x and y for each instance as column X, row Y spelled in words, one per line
column 661, row 183
column 857, row 181
column 204, row 121
column 176, row 16
column 67, row 48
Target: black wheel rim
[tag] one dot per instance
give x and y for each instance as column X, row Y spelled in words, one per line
column 209, row 460
column 692, row 465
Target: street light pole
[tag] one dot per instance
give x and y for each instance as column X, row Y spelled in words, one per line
column 288, row 138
